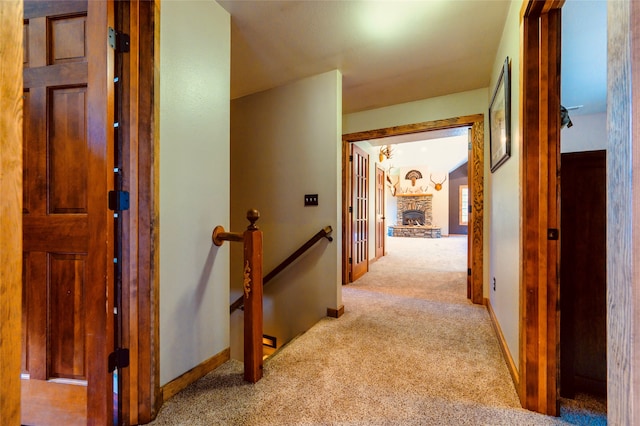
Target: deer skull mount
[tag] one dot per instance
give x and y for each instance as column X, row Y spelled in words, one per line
column 385, row 151
column 437, row 185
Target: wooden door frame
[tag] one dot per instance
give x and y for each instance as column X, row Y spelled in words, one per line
column 142, row 377
column 476, row 187
column 141, row 397
column 623, row 212
column 540, row 136
column 378, row 166
column 11, row 91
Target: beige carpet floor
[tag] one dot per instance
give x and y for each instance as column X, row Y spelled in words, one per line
column 409, row 350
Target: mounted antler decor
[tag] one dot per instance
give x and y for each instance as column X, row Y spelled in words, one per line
column 385, row 151
column 413, row 175
column 437, row 185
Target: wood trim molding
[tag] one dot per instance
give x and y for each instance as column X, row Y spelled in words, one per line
column 539, row 118
column 197, row 372
column 504, row 348
column 11, row 31
column 141, row 396
column 335, row 313
column 476, row 187
column 623, row 213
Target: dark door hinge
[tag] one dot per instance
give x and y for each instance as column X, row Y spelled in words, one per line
column 553, row 234
column 118, row 41
column 118, row 359
column 351, row 158
column 469, row 208
column 350, row 209
column 118, row 200
column 350, row 261
column 469, row 271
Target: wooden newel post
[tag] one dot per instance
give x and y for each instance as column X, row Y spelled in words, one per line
column 253, row 351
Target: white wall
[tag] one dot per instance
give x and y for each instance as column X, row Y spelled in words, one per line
column 194, row 183
column 502, row 200
column 286, row 142
column 588, row 133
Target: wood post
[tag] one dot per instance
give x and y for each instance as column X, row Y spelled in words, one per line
column 252, row 284
column 252, row 300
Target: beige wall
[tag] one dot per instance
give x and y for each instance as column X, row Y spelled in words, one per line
column 285, row 143
column 194, row 183
column 503, row 199
column 455, row 105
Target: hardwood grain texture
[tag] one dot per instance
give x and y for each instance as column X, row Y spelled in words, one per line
column 253, row 350
column 197, row 372
column 101, row 136
column 540, row 133
column 476, row 188
column 66, row 238
column 623, row 213
column 11, row 43
column 153, row 192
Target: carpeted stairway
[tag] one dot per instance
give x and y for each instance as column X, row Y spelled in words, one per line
column 409, row 350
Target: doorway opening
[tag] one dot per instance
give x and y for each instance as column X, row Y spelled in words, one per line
column 419, row 179
column 473, row 126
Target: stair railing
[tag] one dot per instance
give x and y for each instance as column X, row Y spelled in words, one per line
column 252, row 298
column 323, row 233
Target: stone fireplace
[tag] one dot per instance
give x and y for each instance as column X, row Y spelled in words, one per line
column 415, row 218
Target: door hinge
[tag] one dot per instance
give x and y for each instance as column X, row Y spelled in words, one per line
column 350, row 261
column 469, row 208
column 118, row 41
column 118, row 359
column 469, row 271
column 350, row 209
column 553, row 234
column 351, row 158
column 118, row 200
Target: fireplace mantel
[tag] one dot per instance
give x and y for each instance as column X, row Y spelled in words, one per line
column 408, row 194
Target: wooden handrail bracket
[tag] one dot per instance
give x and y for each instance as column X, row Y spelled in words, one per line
column 219, row 236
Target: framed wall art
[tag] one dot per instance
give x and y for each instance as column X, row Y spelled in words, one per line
column 500, row 119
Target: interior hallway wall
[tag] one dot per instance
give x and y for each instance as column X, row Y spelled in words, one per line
column 194, row 183
column 503, row 199
column 285, row 143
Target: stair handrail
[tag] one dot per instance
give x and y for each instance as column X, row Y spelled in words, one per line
column 323, row 233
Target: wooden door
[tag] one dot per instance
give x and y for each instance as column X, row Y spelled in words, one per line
column 359, row 259
column 67, row 321
column 583, row 274
column 380, row 219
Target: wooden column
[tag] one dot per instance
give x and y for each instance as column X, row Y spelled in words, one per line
column 623, row 213
column 253, row 351
column 11, row 46
column 539, row 127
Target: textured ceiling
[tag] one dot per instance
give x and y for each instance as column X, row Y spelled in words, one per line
column 398, row 51
column 388, row 52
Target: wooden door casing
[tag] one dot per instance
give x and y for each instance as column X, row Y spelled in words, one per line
column 476, row 188
column 67, row 237
column 380, row 206
column 359, row 212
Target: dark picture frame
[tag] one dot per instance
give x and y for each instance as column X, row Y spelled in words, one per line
column 500, row 120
